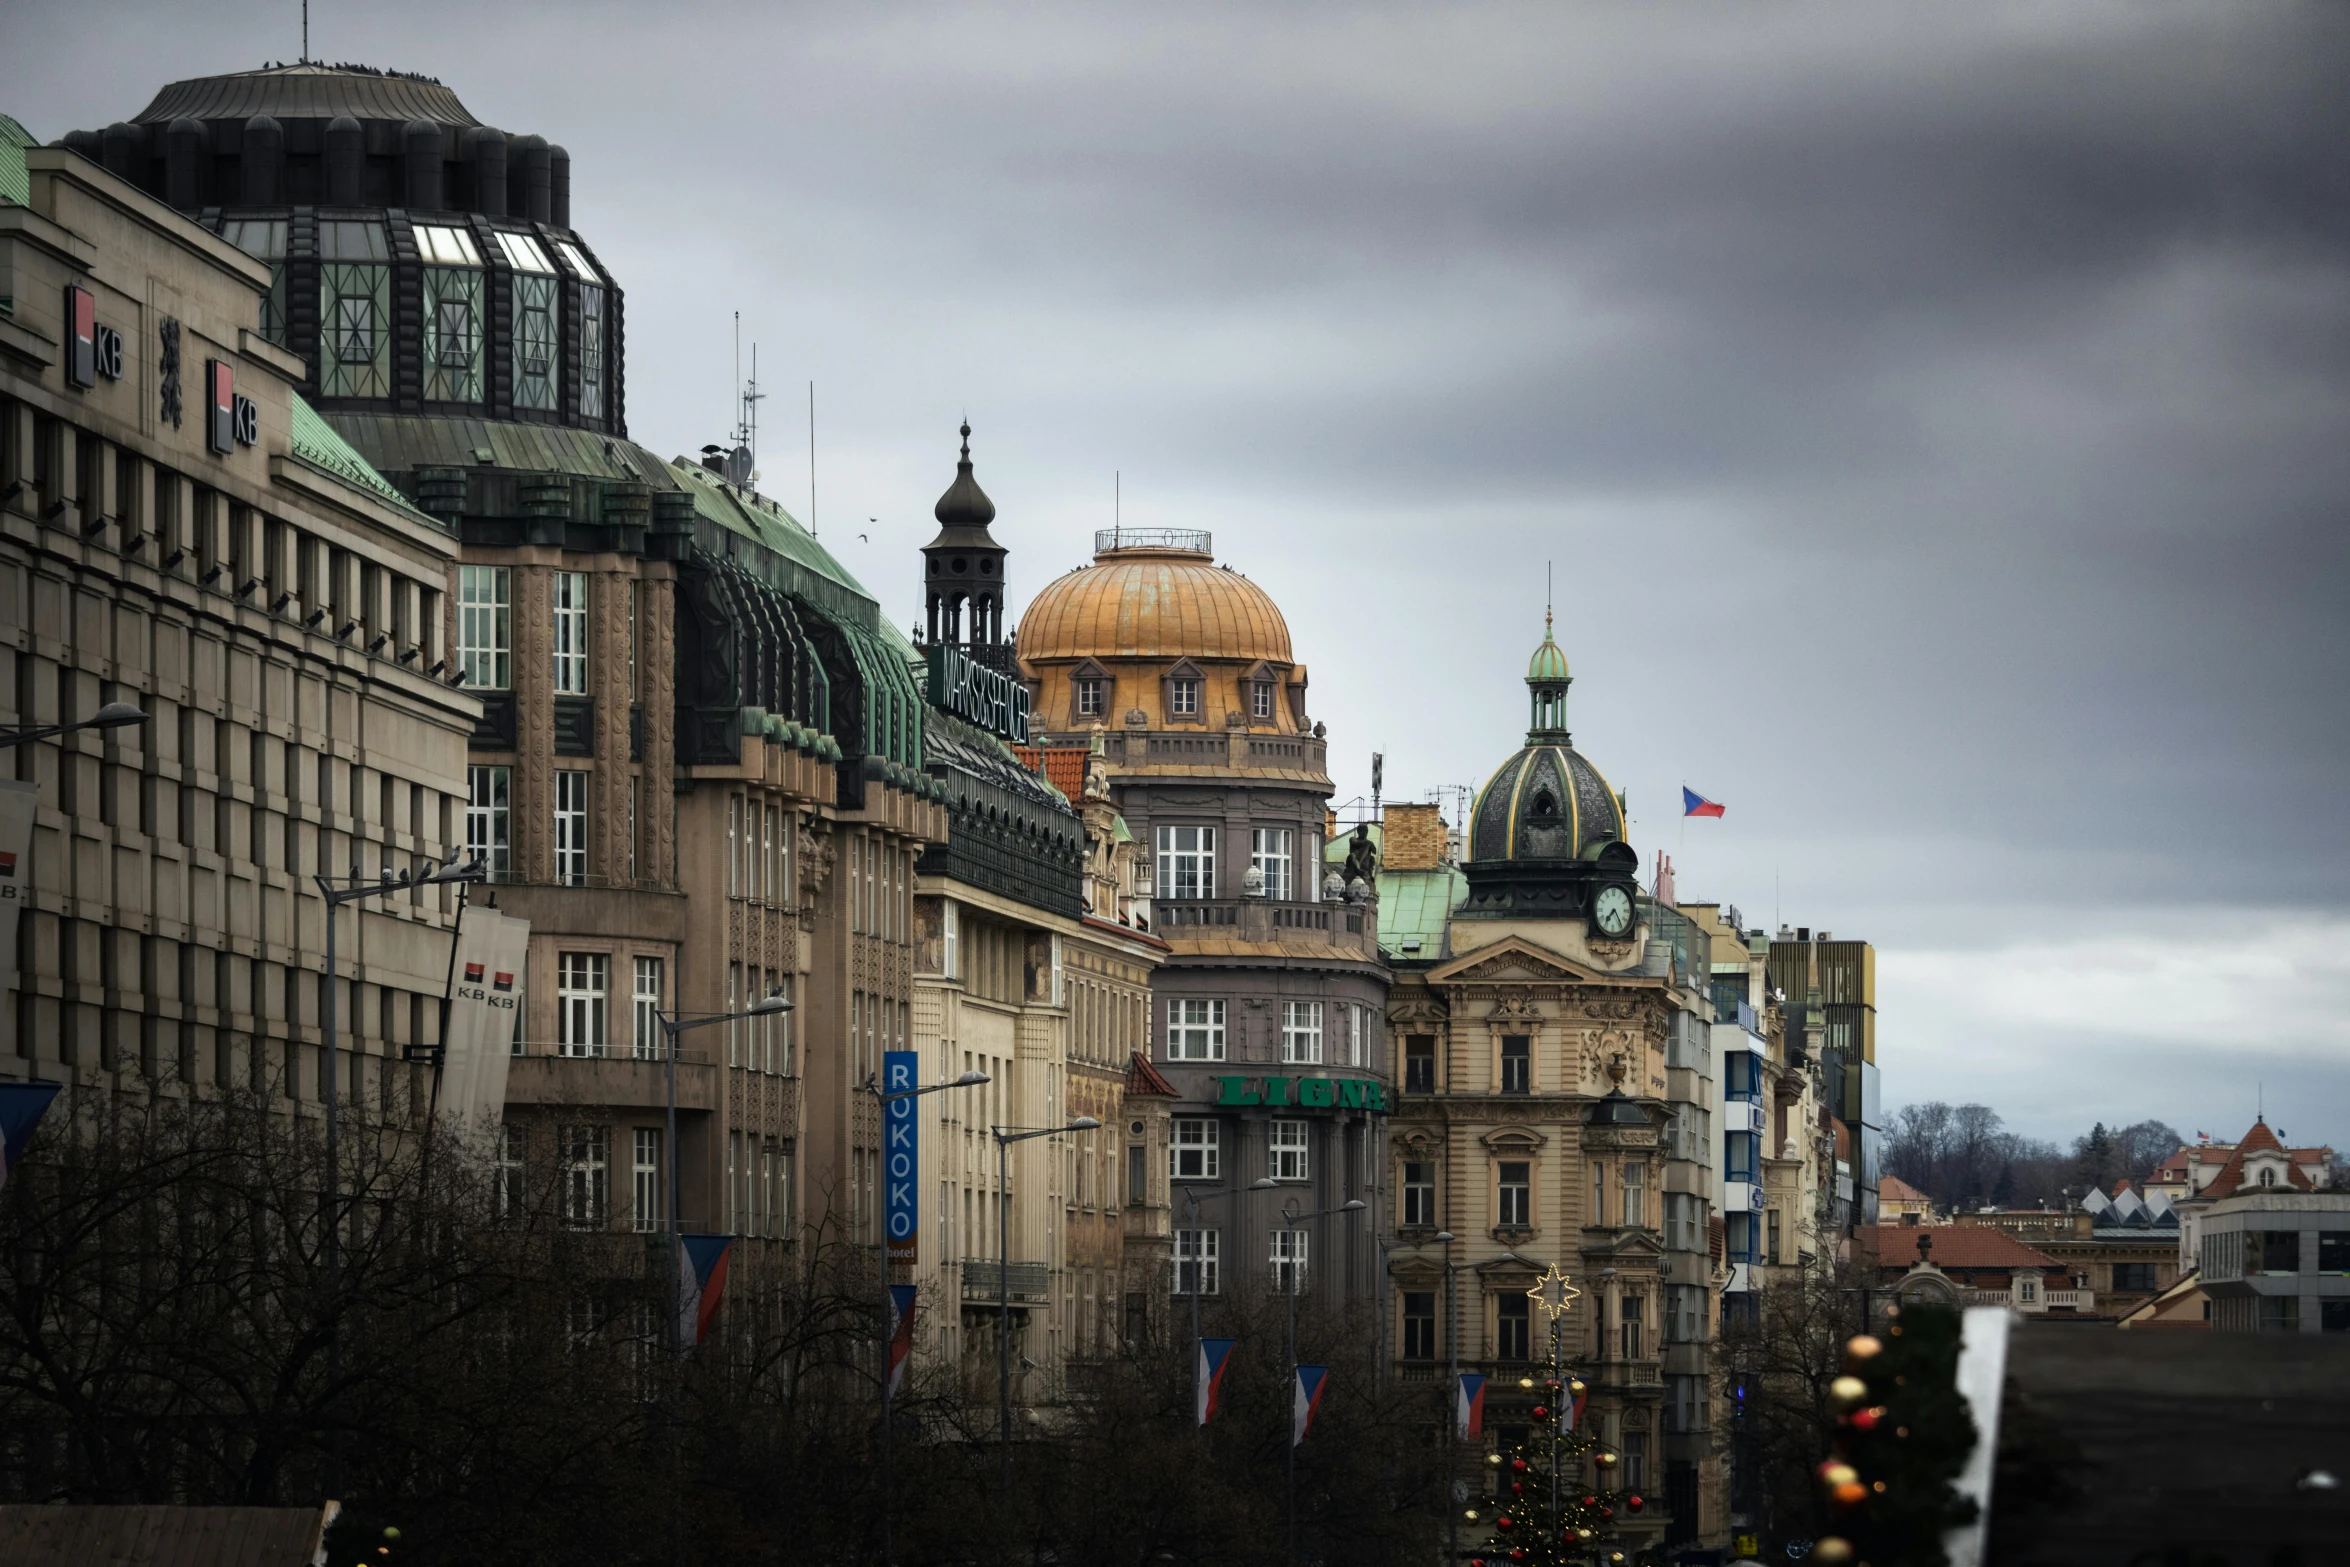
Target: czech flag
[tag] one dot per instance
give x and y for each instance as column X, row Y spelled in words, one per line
column 701, row 1280
column 1310, row 1382
column 1214, row 1355
column 1695, row 804
column 1468, row 1406
column 1577, row 1394
column 21, row 1108
column 901, row 1333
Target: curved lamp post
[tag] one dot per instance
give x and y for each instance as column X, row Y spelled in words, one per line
column 1005, row 1137
column 114, row 715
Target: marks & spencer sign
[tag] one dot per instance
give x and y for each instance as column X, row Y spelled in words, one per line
column 971, row 691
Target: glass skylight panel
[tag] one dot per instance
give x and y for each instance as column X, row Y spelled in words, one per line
column 576, row 259
column 523, row 253
column 342, row 239
column 264, row 239
column 446, row 246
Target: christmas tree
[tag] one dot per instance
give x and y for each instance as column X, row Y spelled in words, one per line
column 1539, row 1515
column 1903, row 1433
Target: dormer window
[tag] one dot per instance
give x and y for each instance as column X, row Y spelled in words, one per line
column 1260, row 701
column 1183, row 698
column 1089, row 696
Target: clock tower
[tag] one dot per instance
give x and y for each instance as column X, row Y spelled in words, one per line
column 1546, row 840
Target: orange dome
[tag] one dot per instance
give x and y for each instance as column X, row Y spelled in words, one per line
column 1153, row 601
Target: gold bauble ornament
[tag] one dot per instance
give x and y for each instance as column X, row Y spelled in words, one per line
column 1605, row 1460
column 1862, row 1347
column 1834, row 1551
column 1848, row 1393
column 1833, row 1475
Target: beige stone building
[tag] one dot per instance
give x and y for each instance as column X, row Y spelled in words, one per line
column 277, row 610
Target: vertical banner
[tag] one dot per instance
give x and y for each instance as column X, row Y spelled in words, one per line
column 1310, row 1382
column 1214, row 1355
column 1468, row 1408
column 16, row 874
column 901, row 1334
column 21, row 1108
column 899, row 1141
column 484, row 995
column 1577, row 1392
column 701, row 1284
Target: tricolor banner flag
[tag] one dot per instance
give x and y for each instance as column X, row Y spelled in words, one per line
column 1695, row 804
column 701, row 1281
column 21, row 1108
column 1578, row 1393
column 1310, row 1382
column 1468, row 1406
column 1214, row 1355
column 901, row 1333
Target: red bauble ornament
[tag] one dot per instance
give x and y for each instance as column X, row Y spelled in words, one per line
column 1866, row 1419
column 1606, row 1513
column 1518, row 1464
column 1541, row 1412
column 1517, row 1489
column 1504, row 1522
column 1634, row 1502
column 1591, row 1501
column 1550, row 1387
column 1517, row 1556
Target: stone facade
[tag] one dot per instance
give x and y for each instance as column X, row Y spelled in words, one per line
column 276, row 609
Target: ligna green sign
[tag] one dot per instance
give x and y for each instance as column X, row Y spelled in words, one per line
column 1305, row 1093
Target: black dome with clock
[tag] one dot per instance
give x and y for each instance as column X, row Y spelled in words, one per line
column 1546, row 840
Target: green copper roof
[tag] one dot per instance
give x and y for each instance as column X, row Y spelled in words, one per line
column 1413, row 908
column 317, row 443
column 756, row 517
column 15, row 188
column 1548, row 666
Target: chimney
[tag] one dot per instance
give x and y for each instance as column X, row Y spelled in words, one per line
column 1413, row 837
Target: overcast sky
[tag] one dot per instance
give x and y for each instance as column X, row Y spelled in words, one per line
column 1939, row 417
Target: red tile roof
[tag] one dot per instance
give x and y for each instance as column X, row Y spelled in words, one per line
column 2259, row 1140
column 1063, row 766
column 1892, row 1188
column 1143, row 1078
column 1955, row 1246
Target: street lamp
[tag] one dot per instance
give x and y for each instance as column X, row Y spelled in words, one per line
column 1291, row 1220
column 114, row 715
column 471, row 866
column 1005, row 1137
column 1191, row 1205
column 1452, row 1340
column 885, row 1097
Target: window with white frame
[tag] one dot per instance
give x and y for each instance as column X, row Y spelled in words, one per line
column 950, row 924
column 1195, row 1152
column 1301, row 1033
column 1187, row 863
column 1195, row 1030
column 582, row 980
column 571, row 823
column 1419, row 1194
column 587, row 1174
column 645, row 1179
column 1089, row 695
column 571, row 633
column 1268, row 855
column 647, row 997
column 1635, row 1196
column 1289, row 1261
column 1183, row 697
column 485, row 627
column 489, row 819
column 1288, row 1154
column 1260, row 700
column 1197, row 1254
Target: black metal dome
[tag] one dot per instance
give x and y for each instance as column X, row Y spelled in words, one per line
column 1547, row 802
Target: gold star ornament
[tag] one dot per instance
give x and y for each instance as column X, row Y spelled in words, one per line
column 1553, row 1293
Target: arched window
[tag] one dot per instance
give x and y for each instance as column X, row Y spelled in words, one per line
column 2268, row 1177
column 1544, row 803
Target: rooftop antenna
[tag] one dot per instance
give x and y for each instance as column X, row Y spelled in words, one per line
column 811, row 459
column 305, row 32
column 1546, row 601
column 1378, row 779
column 752, row 398
column 1117, row 505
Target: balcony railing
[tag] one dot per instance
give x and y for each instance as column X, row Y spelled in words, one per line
column 984, row 1279
column 1265, row 919
column 1197, row 541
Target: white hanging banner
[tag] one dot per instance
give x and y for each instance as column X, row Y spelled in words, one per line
column 484, row 998
column 16, row 868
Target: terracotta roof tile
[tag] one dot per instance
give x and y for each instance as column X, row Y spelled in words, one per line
column 2259, row 1140
column 1955, row 1246
column 1063, row 766
column 1143, row 1079
column 1892, row 1188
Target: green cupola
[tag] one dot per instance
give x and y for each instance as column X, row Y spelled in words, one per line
column 1546, row 683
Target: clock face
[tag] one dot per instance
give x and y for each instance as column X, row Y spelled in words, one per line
column 1612, row 910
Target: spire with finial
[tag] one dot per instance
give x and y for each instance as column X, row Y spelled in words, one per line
column 1547, row 680
column 963, row 569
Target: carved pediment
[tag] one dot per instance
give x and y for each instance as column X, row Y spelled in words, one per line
column 1513, row 1138
column 1514, row 960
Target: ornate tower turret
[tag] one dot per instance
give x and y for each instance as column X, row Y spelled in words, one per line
column 963, row 571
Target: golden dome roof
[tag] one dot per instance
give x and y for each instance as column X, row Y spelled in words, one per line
column 1154, row 600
